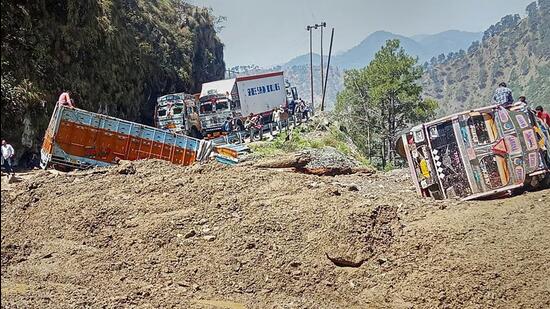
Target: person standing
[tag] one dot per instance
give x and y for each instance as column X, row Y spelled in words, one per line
column 228, row 125
column 503, row 96
column 277, row 117
column 299, row 110
column 65, row 99
column 7, row 154
column 237, row 123
column 291, row 106
column 543, row 115
column 305, row 111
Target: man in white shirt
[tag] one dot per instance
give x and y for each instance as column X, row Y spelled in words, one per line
column 7, row 154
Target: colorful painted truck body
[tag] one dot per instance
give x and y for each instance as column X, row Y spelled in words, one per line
column 479, row 153
column 81, row 139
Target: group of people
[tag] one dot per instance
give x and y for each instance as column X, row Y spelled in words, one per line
column 299, row 108
column 503, row 97
column 279, row 115
column 233, row 124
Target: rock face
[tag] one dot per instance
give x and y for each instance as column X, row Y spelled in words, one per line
column 115, row 56
column 515, row 50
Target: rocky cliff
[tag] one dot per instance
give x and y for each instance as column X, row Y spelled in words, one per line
column 515, row 50
column 115, row 56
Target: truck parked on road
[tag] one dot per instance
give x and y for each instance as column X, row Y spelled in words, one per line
column 479, row 153
column 203, row 115
column 177, row 112
column 240, row 97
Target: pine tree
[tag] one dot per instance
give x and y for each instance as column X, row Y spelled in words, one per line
column 382, row 99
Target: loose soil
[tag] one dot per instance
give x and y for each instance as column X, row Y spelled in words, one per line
column 153, row 235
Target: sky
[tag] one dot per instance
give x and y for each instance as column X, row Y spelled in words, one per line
column 270, row 32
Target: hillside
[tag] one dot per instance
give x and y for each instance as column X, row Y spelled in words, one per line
column 116, row 57
column 515, row 50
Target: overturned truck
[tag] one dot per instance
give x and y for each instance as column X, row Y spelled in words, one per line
column 480, row 153
column 80, row 139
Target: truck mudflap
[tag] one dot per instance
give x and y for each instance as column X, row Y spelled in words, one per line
column 80, row 139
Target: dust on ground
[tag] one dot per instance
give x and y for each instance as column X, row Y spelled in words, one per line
column 151, row 234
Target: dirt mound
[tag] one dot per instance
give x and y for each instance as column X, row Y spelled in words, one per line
column 152, row 234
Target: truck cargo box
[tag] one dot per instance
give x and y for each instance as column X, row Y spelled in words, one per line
column 261, row 93
column 76, row 138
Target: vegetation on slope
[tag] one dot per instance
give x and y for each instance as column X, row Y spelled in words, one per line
column 515, row 50
column 314, row 136
column 116, row 57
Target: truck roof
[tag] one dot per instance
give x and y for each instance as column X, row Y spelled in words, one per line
column 218, row 87
column 259, row 76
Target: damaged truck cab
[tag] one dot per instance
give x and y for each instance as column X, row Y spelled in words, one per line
column 479, row 153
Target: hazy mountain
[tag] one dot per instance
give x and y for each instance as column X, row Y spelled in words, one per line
column 514, row 50
column 423, row 46
column 304, row 60
column 360, row 55
column 447, row 41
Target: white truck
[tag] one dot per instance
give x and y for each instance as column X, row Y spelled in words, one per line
column 240, row 97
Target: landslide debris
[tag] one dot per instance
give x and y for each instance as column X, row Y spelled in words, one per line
column 326, row 161
column 247, row 237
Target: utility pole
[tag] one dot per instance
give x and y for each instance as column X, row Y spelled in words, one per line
column 309, row 28
column 229, row 71
column 328, row 68
column 322, row 25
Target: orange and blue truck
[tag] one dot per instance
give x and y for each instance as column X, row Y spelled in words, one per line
column 79, row 139
column 480, row 153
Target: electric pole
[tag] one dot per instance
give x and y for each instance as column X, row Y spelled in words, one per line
column 309, row 28
column 322, row 25
column 328, row 68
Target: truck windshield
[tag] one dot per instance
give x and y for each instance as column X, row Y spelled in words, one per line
column 210, row 108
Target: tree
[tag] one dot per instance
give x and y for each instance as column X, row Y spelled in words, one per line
column 382, row 99
column 354, row 104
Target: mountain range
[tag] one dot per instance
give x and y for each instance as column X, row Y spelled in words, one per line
column 423, row 46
